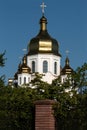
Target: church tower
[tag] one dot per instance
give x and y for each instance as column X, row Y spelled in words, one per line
column 67, row 70
column 43, row 53
column 23, row 75
column 43, row 57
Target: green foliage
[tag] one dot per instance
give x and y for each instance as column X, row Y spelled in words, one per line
column 16, row 109
column 70, row 111
column 2, row 63
column 80, row 77
column 2, row 80
column 2, row 59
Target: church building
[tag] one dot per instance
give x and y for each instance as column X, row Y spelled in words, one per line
column 42, row 57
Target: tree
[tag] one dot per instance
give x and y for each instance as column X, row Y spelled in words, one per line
column 2, row 63
column 80, row 77
column 2, row 59
column 16, row 109
column 71, row 110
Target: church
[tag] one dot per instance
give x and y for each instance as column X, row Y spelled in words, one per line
column 43, row 57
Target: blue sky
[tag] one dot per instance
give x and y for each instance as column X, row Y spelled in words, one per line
column 19, row 22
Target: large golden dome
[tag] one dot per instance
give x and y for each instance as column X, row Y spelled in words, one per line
column 43, row 42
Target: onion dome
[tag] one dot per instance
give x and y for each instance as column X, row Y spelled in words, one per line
column 43, row 42
column 67, row 69
column 23, row 68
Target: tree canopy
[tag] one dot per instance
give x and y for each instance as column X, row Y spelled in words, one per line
column 2, row 59
column 2, row 64
column 70, row 110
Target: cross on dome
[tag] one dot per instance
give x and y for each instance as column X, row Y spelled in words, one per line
column 43, row 6
column 67, row 52
column 24, row 50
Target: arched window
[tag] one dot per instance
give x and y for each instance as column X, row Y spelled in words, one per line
column 24, row 80
column 20, row 80
column 33, row 66
column 45, row 66
column 55, row 67
column 28, row 79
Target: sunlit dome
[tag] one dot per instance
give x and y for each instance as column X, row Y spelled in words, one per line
column 43, row 42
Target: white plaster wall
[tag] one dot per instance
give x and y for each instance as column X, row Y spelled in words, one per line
column 63, row 78
column 28, row 78
column 48, row 77
column 50, row 58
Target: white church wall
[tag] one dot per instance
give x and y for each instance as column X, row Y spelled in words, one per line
column 50, row 58
column 21, row 78
column 48, row 77
column 30, row 59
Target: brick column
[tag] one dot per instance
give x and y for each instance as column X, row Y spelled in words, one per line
column 44, row 119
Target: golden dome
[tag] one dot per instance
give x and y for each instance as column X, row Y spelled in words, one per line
column 22, row 68
column 67, row 69
column 43, row 42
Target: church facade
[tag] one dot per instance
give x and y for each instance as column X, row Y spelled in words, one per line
column 42, row 57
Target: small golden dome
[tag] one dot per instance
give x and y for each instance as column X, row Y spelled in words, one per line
column 67, row 69
column 24, row 68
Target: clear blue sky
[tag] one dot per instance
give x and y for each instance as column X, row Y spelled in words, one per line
column 19, row 22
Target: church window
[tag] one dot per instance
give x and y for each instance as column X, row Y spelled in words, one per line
column 24, row 80
column 33, row 66
column 55, row 67
column 45, row 66
column 29, row 79
column 20, row 80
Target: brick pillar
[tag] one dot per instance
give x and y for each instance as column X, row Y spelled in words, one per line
column 44, row 119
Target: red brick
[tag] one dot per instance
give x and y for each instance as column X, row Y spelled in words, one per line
column 44, row 119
